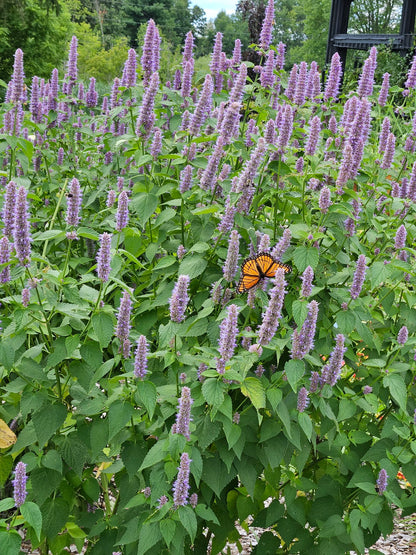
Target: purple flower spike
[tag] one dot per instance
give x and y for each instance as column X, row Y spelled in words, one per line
column 122, row 217
column 389, row 152
column 282, row 245
column 303, row 399
column 359, row 276
column 332, row 371
column 237, row 92
column 366, row 81
column 215, row 66
column 91, row 98
column 21, row 230
column 411, row 76
column 384, row 91
column 193, row 500
column 183, row 416
column 9, row 208
column 231, row 263
column 129, row 73
column 273, row 311
column 181, row 485
column 302, row 341
column 185, row 182
column 325, row 199
column 367, row 389
column 382, row 481
column 179, row 299
column 4, row 259
column 188, row 48
column 385, row 131
column 267, row 75
column 104, row 257
column 122, row 330
column 314, row 383
column 403, row 335
column 203, row 107
column 300, row 92
column 228, row 334
column 148, row 52
column 25, row 296
column 146, row 117
column 334, row 79
column 73, row 201
column 307, row 278
column 207, row 181
column 19, row 484
column 140, row 358
column 400, row 239
column 313, row 136
column 267, row 27
column 18, row 93
column 281, row 51
column 227, row 220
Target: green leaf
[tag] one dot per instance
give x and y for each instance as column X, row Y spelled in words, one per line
column 52, row 459
column 304, row 257
column 148, row 537
column 167, row 528
column 188, row 520
column 156, row 454
column 47, row 420
column 146, row 395
column 306, row 424
column 31, row 513
column 397, row 388
column 254, row 390
column 74, row 453
column 10, row 542
column 119, row 414
column 207, row 513
column 345, row 321
column 216, row 476
column 274, row 397
column 6, row 465
column 213, row 391
column 103, row 326
column 193, row 266
column 54, row 513
column 144, row 204
column 299, row 311
column 6, row 504
column 294, row 370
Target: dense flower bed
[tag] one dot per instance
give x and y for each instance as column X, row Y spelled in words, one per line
column 154, row 393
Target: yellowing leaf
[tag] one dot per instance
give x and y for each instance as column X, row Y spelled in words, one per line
column 7, row 437
column 253, row 389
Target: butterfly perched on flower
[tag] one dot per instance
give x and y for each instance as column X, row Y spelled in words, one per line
column 256, row 268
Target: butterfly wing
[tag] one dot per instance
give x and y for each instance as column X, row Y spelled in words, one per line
column 7, row 436
column 250, row 275
column 268, row 265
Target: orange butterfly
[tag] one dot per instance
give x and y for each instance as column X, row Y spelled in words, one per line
column 258, row 267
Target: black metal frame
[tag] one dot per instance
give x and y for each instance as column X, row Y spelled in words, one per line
column 340, row 41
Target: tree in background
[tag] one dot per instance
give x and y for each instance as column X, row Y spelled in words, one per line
column 375, row 16
column 40, row 29
column 232, row 27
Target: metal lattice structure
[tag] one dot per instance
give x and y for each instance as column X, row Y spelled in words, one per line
column 339, row 40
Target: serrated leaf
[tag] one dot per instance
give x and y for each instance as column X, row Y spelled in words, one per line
column 10, row 542
column 119, row 414
column 47, row 420
column 299, row 311
column 74, row 453
column 54, row 513
column 32, row 515
column 306, row 424
column 304, row 257
column 193, row 266
column 144, row 204
column 294, row 370
column 155, row 454
column 167, row 528
column 103, row 326
column 213, row 392
column 146, row 396
column 188, row 520
column 397, row 388
column 254, row 390
column 149, row 535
